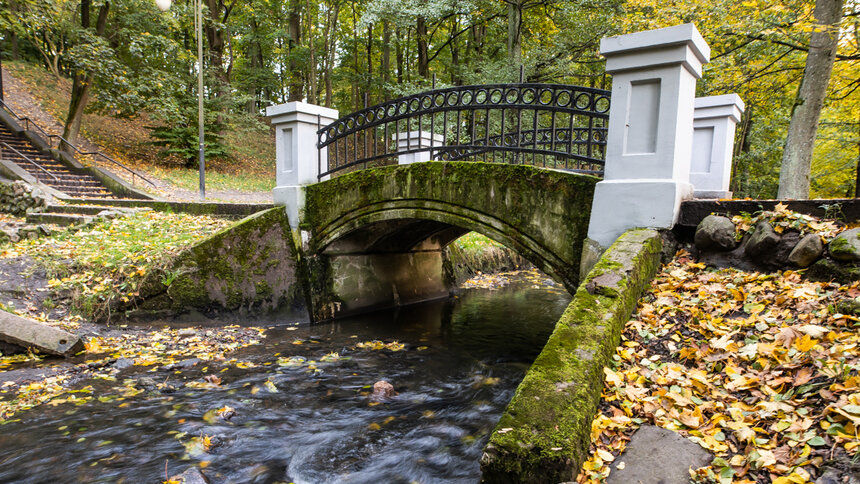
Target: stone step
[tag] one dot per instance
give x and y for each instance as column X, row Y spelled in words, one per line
column 62, row 219
column 77, row 209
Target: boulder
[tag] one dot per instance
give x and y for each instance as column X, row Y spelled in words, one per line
column 807, row 251
column 849, row 306
column 846, row 246
column 828, row 270
column 763, row 240
column 715, row 233
column 778, row 257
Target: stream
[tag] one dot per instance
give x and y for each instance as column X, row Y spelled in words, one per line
column 300, row 409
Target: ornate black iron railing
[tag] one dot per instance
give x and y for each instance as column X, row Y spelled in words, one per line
column 550, row 125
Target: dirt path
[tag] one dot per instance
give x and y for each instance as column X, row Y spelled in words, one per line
column 19, row 99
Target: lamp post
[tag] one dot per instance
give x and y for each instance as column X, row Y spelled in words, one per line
column 164, row 5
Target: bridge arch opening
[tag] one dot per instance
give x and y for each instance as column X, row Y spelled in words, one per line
column 378, row 236
column 426, row 226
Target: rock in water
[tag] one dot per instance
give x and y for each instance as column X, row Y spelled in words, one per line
column 382, row 391
column 807, row 251
column 715, row 233
column 192, row 475
column 846, row 246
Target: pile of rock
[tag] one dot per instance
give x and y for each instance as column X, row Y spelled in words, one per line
column 19, row 198
column 765, row 249
column 13, row 231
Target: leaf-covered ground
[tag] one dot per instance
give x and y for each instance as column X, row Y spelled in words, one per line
column 106, row 261
column 760, row 369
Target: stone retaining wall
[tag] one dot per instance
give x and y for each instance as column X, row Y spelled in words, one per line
column 544, row 434
column 19, row 198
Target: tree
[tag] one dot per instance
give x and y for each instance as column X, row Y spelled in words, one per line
column 82, row 79
column 797, row 155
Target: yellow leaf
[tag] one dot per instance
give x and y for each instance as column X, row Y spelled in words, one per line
column 612, row 378
column 805, row 343
column 605, row 456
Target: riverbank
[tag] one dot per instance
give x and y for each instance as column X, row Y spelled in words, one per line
column 761, row 370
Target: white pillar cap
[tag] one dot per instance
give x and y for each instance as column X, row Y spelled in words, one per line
column 724, row 105
column 301, row 107
column 679, row 44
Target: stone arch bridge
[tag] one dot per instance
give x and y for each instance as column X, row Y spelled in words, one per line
column 374, row 238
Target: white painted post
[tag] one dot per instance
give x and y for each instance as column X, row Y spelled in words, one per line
column 649, row 143
column 414, row 140
column 714, row 124
column 298, row 159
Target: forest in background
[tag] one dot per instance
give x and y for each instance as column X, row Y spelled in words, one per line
column 126, row 57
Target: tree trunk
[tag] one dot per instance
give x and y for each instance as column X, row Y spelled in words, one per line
column 82, row 80
column 385, row 62
column 515, row 23
column 355, row 95
column 857, row 178
column 421, row 36
column 295, row 28
column 797, row 156
column 368, row 94
column 217, row 45
column 399, row 58
column 455, row 54
column 741, row 146
column 312, row 62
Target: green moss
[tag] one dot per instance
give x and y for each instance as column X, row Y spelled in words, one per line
column 842, row 248
column 249, row 266
column 541, row 214
column 543, row 436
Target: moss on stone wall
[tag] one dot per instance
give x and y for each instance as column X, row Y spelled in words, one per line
column 544, row 434
column 542, row 214
column 248, row 267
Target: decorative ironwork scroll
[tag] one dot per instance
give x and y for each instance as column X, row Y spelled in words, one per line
column 550, row 125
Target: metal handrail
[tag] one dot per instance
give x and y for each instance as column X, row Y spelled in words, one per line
column 561, row 123
column 64, row 142
column 30, row 160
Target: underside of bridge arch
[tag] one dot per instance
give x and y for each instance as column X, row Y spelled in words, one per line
column 377, row 237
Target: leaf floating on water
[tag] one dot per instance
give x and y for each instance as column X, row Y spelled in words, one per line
column 377, row 345
column 291, row 361
column 270, row 386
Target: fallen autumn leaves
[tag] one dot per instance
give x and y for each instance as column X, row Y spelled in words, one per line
column 158, row 348
column 759, row 369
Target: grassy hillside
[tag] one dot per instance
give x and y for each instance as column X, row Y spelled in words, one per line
column 250, row 168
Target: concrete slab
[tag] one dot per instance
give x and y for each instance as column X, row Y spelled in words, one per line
column 658, row 456
column 32, row 334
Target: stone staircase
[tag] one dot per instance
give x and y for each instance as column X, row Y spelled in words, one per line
column 17, row 149
column 67, row 215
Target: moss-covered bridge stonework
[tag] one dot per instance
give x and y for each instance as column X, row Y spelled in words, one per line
column 376, row 237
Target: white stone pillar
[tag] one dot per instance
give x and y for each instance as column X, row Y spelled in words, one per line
column 649, row 143
column 714, row 124
column 298, row 159
column 414, row 140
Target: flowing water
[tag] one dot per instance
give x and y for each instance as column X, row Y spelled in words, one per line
column 303, row 412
